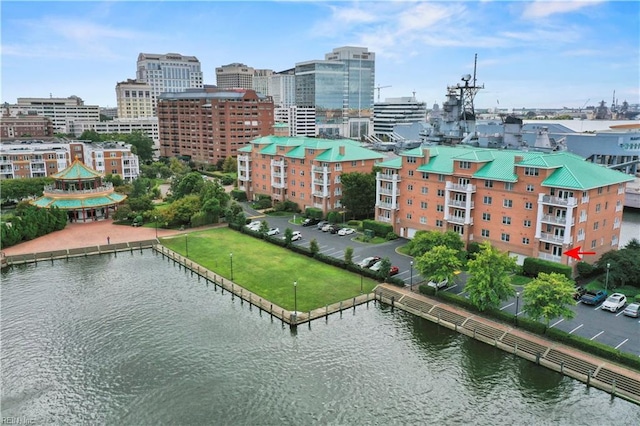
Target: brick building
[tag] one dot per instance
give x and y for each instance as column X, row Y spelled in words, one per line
column 530, row 204
column 211, row 124
column 300, row 169
column 32, row 126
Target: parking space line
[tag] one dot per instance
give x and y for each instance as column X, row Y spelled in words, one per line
column 597, row 335
column 596, row 308
column 625, row 341
column 621, row 312
column 556, row 323
column 505, row 307
column 576, row 328
column 460, row 293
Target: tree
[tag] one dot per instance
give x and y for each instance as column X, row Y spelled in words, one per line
column 180, row 211
column 385, row 268
column 348, row 255
column 230, row 165
column 288, row 235
column 190, row 183
column 19, row 189
column 142, row 145
column 549, row 296
column 624, row 268
column 439, row 264
column 489, row 282
column 358, row 193
column 424, row 241
column 264, row 228
column 314, row 248
column 90, row 135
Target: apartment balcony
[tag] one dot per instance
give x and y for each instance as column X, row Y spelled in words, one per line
column 318, row 205
column 279, row 175
column 387, row 191
column 621, row 190
column 319, row 182
column 243, row 187
column 583, row 219
column 5, row 162
column 580, row 237
column 389, row 177
column 244, row 158
column 616, row 225
column 320, row 194
column 387, row 206
column 619, row 208
column 461, row 220
column 558, row 201
column 469, row 188
column 553, row 239
column 243, row 177
column 384, row 219
column 280, row 184
column 551, row 257
column 38, row 169
column 547, row 218
column 585, row 200
column 316, row 169
column 280, row 163
column 460, row 204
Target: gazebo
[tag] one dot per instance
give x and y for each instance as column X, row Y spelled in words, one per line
column 80, row 191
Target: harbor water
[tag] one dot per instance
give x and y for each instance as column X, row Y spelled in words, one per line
column 137, row 340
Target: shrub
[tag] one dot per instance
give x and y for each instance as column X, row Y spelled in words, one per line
column 472, row 249
column 585, row 269
column 263, row 203
column 391, row 236
column 238, row 195
column 533, row 266
column 313, row 213
column 333, row 217
column 380, row 229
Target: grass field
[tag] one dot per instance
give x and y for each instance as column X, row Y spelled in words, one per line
column 268, row 270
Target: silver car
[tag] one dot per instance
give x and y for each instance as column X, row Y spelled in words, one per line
column 632, row 310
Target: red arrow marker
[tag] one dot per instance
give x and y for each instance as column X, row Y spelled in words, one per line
column 575, row 253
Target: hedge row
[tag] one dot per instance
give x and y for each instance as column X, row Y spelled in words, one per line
column 379, row 228
column 533, row 266
column 539, row 328
column 313, row 212
column 238, row 195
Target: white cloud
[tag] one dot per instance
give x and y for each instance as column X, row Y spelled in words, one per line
column 542, row 9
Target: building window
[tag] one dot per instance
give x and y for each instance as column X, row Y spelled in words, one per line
column 408, row 215
column 410, row 187
column 598, row 207
column 508, row 186
column 507, row 203
column 410, row 172
column 486, row 217
column 423, row 220
column 593, row 243
column 486, row 199
column 440, row 208
column 423, row 204
column 439, row 223
column 599, row 190
column 488, row 184
column 425, row 175
column 465, row 165
column 440, row 192
column 411, row 160
column 440, row 178
column 531, row 171
column 528, row 205
column 301, row 172
column 424, row 190
column 485, row 233
column 506, row 220
column 530, row 188
column 505, row 237
column 596, row 225
column 525, row 241
column 354, row 163
column 409, row 202
column 526, row 223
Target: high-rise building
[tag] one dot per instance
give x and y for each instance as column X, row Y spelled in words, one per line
column 59, row 110
column 397, row 111
column 171, row 72
column 300, row 121
column 283, row 88
column 235, row 76
column 262, row 81
column 341, row 88
column 211, row 124
column 134, row 99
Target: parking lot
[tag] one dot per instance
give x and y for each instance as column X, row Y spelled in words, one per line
column 591, row 322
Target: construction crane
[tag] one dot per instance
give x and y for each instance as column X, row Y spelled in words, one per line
column 585, row 104
column 378, row 89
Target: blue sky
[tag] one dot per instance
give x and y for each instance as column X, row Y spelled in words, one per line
column 530, row 54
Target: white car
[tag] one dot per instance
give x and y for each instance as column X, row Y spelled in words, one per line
column 368, row 261
column 346, row 231
column 296, row 236
column 615, row 302
column 326, row 227
column 254, row 226
column 273, row 231
column 376, row 266
column 438, row 286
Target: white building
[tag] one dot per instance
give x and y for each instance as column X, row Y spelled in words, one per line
column 148, row 126
column 171, row 72
column 283, row 88
column 235, row 76
column 395, row 111
column 59, row 110
column 134, row 99
column 262, row 81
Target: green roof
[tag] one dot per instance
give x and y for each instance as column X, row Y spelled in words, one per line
column 79, row 203
column 395, row 163
column 352, row 149
column 77, row 170
column 572, row 171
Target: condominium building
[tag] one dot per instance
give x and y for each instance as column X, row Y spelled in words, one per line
column 341, row 88
column 300, row 120
column 530, row 204
column 36, row 158
column 148, row 126
column 235, row 76
column 32, row 126
column 134, row 99
column 303, row 170
column 393, row 111
column 171, row 72
column 211, row 124
column 59, row 110
column 282, row 87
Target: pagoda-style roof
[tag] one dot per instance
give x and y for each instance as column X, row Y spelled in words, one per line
column 86, row 202
column 77, row 171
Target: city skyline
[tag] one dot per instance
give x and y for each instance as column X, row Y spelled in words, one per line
column 543, row 54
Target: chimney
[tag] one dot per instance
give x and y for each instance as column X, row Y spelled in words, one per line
column 425, row 156
column 341, row 150
column 516, row 160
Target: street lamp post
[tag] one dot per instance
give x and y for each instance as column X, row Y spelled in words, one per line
column 231, row 260
column 156, row 220
column 517, row 306
column 411, row 282
column 295, row 299
column 606, row 282
column 186, row 243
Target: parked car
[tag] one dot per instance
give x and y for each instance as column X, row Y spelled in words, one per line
column 615, row 302
column 394, row 270
column 254, row 226
column 334, row 229
column 346, row 231
column 296, row 236
column 579, row 292
column 136, row 224
column 438, row 286
column 327, row 227
column 310, row 221
column 632, row 310
column 593, row 297
column 322, row 224
column 368, row 261
column 273, row 231
column 376, row 266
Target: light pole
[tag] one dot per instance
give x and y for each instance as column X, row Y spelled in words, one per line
column 186, row 243
column 411, row 282
column 517, row 305
column 606, row 282
column 156, row 219
column 295, row 298
column 231, row 260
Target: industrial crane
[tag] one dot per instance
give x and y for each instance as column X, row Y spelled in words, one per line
column 378, row 88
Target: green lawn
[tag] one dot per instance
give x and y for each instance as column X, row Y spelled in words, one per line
column 268, row 270
column 628, row 291
column 520, row 280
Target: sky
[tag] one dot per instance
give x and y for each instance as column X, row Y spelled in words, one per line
column 540, row 54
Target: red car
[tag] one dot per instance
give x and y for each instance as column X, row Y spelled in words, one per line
column 393, row 270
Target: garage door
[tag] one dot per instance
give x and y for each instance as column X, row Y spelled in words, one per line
column 411, row 232
column 519, row 257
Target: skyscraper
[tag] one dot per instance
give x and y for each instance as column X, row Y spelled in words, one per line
column 234, row 76
column 171, row 72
